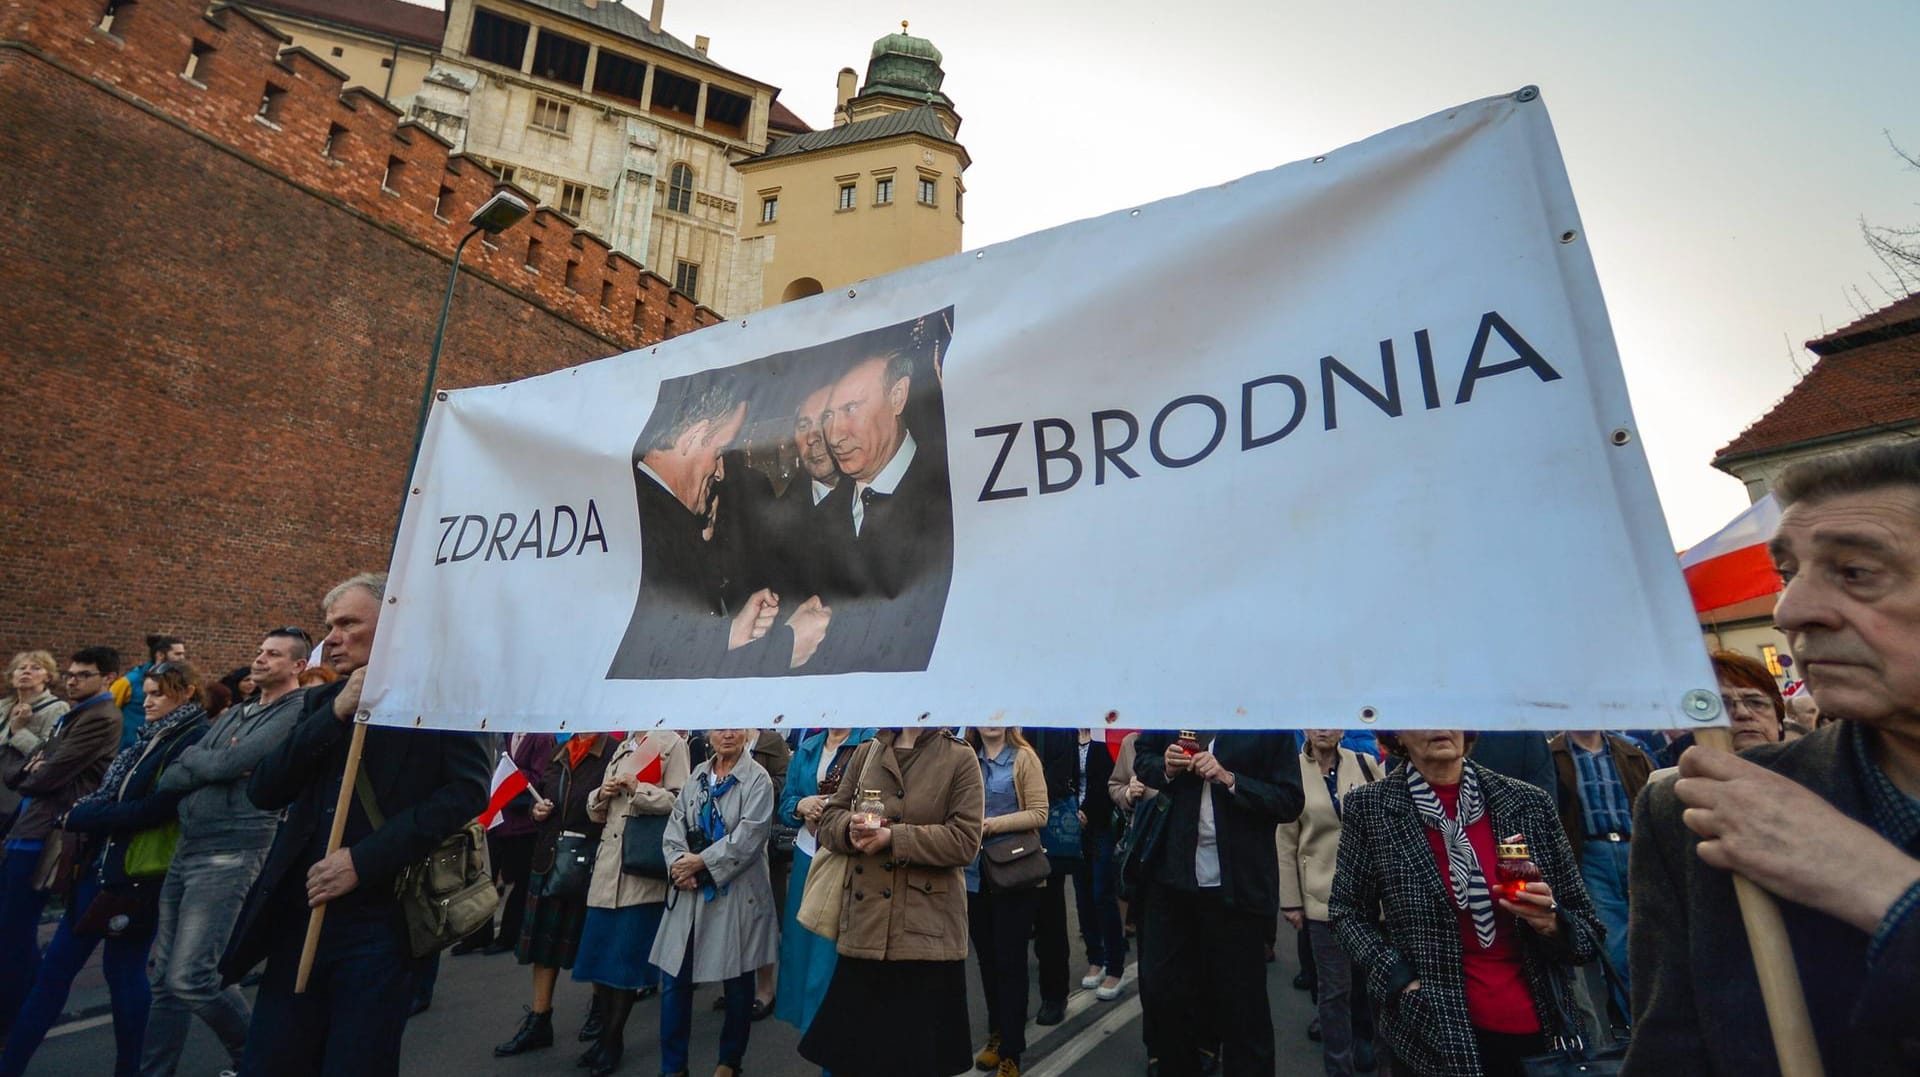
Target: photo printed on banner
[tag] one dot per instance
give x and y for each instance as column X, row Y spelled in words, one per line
column 795, row 513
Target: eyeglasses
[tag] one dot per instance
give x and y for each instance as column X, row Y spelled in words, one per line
column 82, row 674
column 1754, row 703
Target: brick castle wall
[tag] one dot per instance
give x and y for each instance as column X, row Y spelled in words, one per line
column 215, row 332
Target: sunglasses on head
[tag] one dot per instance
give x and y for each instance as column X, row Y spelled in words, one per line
column 292, row 630
column 163, row 669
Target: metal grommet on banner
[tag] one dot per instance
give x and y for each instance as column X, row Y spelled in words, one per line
column 1701, row 705
column 1112, row 717
column 850, row 293
column 1620, row 436
column 979, row 254
column 743, row 323
column 440, row 395
column 417, row 719
column 925, row 715
column 1527, row 93
column 416, row 491
column 1569, row 236
column 483, row 723
column 563, row 725
column 1368, row 714
column 778, row 718
column 1135, row 213
column 363, row 716
column 1320, row 160
column 393, row 600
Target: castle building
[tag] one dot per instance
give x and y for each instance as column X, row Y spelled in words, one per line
column 879, row 190
column 691, row 169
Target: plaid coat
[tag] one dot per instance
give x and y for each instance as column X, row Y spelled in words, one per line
column 1393, row 914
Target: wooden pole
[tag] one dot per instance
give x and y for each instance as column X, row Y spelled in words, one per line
column 1787, row 1017
column 341, row 806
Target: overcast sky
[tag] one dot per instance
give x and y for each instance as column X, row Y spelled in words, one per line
column 1723, row 154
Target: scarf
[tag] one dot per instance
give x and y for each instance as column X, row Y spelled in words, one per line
column 1469, row 886
column 578, row 747
column 130, row 756
column 712, row 824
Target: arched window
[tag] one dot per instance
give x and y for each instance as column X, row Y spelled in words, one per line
column 680, row 189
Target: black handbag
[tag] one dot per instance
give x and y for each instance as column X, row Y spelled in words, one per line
column 642, row 847
column 572, row 870
column 1570, row 1056
column 1139, row 848
column 1015, row 861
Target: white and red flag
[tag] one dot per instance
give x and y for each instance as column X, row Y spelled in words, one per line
column 509, row 781
column 1732, row 565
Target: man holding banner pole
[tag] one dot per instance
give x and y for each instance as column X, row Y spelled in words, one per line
column 426, row 786
column 1829, row 824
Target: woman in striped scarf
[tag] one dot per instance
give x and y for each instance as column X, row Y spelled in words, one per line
column 1468, row 977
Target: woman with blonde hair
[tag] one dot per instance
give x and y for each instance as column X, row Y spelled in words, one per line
column 29, row 713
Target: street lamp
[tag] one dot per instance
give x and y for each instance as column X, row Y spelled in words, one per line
column 497, row 214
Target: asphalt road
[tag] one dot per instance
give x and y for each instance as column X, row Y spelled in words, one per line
column 479, row 1001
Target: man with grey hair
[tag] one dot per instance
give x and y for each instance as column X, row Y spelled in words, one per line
column 424, row 787
column 1829, row 823
column 682, row 625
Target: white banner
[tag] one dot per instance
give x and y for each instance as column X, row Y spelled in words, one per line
column 1341, row 444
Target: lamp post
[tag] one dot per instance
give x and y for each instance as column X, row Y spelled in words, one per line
column 495, row 215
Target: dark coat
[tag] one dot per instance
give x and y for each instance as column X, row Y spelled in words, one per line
column 1522, row 756
column 891, row 580
column 428, row 785
column 681, row 619
column 532, row 756
column 569, row 787
column 1629, row 761
column 1059, row 751
column 1696, row 999
column 1394, row 915
column 73, row 758
column 109, row 822
column 1266, row 793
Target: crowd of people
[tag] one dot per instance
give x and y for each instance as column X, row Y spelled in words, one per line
column 1462, row 903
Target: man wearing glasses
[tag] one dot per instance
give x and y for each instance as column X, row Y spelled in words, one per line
column 223, row 843
column 66, row 767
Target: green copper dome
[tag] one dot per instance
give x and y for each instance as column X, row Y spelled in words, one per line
column 906, row 66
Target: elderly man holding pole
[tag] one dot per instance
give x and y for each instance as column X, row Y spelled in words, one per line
column 1829, row 824
column 425, row 786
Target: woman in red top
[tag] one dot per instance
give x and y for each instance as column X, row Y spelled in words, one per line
column 1468, row 979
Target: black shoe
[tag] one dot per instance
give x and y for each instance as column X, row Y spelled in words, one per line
column 762, row 1010
column 472, row 944
column 590, row 1028
column 420, row 1006
column 535, row 1031
column 1313, row 1030
column 1363, row 1058
column 497, row 946
column 645, row 993
column 1051, row 1013
column 721, row 1002
column 1301, row 983
column 606, row 1063
column 589, row 1058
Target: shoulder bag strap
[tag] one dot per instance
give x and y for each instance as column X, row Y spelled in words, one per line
column 363, row 789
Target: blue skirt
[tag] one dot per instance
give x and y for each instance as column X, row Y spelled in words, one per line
column 614, row 946
column 806, row 959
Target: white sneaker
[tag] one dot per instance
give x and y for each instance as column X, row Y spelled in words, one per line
column 1092, row 980
column 1108, row 991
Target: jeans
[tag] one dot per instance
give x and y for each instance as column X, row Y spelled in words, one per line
column 999, row 922
column 1095, row 896
column 20, row 906
column 354, row 1012
column 676, row 1018
column 199, row 903
column 125, row 967
column 1603, row 866
column 1050, row 950
column 1335, row 1001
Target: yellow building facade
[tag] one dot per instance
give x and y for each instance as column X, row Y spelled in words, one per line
column 386, row 48
column 880, row 190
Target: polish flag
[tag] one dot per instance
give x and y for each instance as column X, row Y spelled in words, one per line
column 509, row 781
column 1732, row 565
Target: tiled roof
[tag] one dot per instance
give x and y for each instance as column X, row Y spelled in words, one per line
column 782, row 118
column 385, row 18
column 625, row 21
column 913, row 121
column 1867, row 378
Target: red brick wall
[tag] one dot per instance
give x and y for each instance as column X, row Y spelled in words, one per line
column 214, row 337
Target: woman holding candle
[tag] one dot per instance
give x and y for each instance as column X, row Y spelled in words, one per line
column 903, row 922
column 1471, row 993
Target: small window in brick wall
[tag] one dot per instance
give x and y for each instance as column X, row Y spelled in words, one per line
column 606, row 295
column 271, row 100
column 195, row 70
column 533, row 255
column 573, row 275
column 440, row 202
column 391, row 181
column 336, row 141
column 639, row 312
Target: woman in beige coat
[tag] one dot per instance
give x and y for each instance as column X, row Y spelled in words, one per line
column 897, row 1006
column 644, row 777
